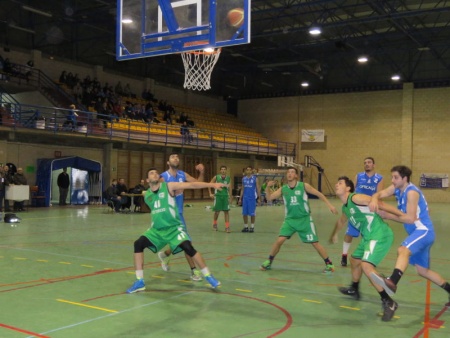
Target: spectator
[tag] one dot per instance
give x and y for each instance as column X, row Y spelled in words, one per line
column 112, row 195
column 138, row 189
column 185, row 134
column 118, row 89
column 71, row 121
column 122, row 190
column 63, row 185
column 19, row 179
column 63, row 77
column 167, row 117
column 127, row 90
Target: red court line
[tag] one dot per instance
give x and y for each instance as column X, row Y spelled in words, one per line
column 23, row 331
column 433, row 323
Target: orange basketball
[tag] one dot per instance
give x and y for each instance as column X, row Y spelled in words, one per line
column 236, row 17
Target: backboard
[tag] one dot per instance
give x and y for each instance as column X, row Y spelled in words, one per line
column 156, row 27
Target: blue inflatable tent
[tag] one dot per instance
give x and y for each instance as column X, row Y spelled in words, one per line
column 46, row 166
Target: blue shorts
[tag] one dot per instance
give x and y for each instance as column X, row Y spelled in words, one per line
column 352, row 231
column 249, row 207
column 419, row 242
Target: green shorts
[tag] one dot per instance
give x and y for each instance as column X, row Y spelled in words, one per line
column 221, row 203
column 173, row 236
column 374, row 248
column 303, row 226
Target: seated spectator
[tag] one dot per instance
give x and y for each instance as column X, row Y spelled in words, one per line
column 127, row 90
column 167, row 117
column 185, row 134
column 111, row 194
column 122, row 190
column 138, row 189
column 118, row 89
column 183, row 118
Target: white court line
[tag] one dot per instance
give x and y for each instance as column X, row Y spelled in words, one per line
column 112, row 314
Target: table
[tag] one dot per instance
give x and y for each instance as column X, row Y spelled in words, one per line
column 143, row 207
column 17, row 192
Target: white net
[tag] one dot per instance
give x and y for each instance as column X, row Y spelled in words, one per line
column 198, row 66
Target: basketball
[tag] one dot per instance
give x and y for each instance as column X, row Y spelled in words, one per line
column 236, row 17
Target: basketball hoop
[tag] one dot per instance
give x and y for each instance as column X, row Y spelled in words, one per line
column 198, row 67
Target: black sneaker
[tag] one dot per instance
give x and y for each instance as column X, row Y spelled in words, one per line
column 389, row 308
column 245, row 229
column 350, row 291
column 251, row 230
column 344, row 260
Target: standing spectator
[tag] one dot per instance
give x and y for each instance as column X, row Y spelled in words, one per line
column 63, row 184
column 19, row 179
column 72, row 118
column 63, row 77
column 249, row 194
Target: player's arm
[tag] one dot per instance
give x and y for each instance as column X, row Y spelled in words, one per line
column 340, row 223
column 396, row 215
column 389, row 191
column 213, row 180
column 175, row 186
column 310, row 190
column 272, row 195
column 201, row 174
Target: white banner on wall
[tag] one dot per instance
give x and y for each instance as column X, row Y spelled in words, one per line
column 313, row 135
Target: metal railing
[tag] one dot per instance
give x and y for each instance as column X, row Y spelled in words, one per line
column 56, row 120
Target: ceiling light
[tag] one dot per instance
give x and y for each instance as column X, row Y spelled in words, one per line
column 363, row 59
column 23, row 29
column 304, row 84
column 315, row 30
column 37, row 11
column 395, row 77
column 127, row 21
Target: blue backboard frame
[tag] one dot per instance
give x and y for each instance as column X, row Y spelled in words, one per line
column 160, row 27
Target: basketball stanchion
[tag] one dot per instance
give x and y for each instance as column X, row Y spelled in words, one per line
column 198, row 67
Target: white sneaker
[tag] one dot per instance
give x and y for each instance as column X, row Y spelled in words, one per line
column 196, row 275
column 164, row 261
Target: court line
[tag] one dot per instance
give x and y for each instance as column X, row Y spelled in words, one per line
column 23, row 331
column 88, row 306
column 113, row 314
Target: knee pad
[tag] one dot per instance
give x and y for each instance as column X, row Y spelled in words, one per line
column 140, row 244
column 188, row 248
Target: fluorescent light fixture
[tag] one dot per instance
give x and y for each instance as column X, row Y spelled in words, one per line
column 304, row 84
column 315, row 30
column 23, row 29
column 395, row 77
column 37, row 11
column 363, row 59
column 266, row 84
column 127, row 21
